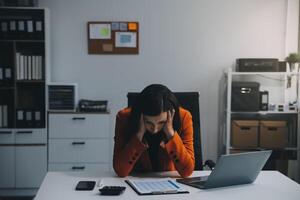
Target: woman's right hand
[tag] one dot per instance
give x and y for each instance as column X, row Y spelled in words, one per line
column 142, row 128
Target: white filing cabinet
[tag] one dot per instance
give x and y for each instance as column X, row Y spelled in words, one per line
column 79, row 142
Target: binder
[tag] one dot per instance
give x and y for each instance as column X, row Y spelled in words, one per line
column 21, row 29
column 1, row 74
column 25, row 67
column 39, row 29
column 20, row 118
column 29, row 26
column 29, row 68
column 1, row 116
column 40, row 67
column 22, row 59
column 33, row 67
column 4, row 29
column 12, row 29
column 28, row 118
column 37, row 118
column 7, row 73
column 5, row 115
column 18, row 65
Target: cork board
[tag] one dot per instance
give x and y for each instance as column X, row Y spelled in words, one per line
column 113, row 37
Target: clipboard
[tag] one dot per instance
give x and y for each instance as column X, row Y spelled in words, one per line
column 155, row 187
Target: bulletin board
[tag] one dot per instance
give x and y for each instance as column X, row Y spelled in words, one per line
column 113, row 37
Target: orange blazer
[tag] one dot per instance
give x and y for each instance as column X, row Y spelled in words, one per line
column 177, row 154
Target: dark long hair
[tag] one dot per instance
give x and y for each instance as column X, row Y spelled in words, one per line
column 152, row 101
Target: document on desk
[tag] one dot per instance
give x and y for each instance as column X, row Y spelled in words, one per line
column 155, row 187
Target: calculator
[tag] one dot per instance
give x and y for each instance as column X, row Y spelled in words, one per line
column 112, row 190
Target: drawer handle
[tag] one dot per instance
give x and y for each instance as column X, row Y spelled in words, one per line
column 24, row 132
column 78, row 167
column 78, row 143
column 5, row 132
column 78, row 118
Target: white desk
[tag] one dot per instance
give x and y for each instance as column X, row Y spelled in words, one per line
column 269, row 185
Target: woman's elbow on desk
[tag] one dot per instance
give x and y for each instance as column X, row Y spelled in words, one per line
column 187, row 171
column 119, row 170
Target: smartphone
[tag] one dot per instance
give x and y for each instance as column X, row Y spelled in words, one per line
column 85, row 185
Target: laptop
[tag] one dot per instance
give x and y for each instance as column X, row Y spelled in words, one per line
column 231, row 169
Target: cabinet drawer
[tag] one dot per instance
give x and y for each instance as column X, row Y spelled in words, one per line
column 78, row 150
column 31, row 136
column 78, row 125
column 7, row 136
column 79, row 167
column 31, row 166
column 7, row 167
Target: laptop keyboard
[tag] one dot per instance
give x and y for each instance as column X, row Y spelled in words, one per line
column 197, row 179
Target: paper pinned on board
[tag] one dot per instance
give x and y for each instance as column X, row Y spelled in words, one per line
column 100, row 31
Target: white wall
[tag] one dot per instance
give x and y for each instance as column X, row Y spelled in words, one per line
column 184, row 44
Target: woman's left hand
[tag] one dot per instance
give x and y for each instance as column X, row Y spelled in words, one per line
column 168, row 128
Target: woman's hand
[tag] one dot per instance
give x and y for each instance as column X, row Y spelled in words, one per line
column 168, row 128
column 142, row 128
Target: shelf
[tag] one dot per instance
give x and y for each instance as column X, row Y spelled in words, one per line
column 265, row 112
column 6, row 88
column 264, row 73
column 22, row 40
column 262, row 149
column 30, row 81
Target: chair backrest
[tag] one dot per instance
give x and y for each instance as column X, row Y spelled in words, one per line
column 189, row 101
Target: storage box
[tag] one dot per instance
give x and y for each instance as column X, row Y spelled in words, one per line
column 257, row 65
column 244, row 133
column 245, row 96
column 273, row 134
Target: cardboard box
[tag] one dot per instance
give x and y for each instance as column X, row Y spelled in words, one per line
column 244, row 133
column 273, row 134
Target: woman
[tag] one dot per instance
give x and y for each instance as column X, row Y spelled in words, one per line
column 155, row 134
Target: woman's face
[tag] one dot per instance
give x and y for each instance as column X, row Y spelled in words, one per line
column 154, row 124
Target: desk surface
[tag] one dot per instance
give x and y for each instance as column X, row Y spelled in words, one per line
column 269, row 185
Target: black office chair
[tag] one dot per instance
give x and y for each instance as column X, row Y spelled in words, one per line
column 189, row 101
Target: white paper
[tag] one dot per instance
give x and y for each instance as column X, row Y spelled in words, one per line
column 126, row 39
column 100, row 31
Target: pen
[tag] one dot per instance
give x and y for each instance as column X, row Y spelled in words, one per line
column 100, row 183
column 164, row 192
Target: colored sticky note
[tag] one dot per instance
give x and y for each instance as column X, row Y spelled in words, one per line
column 99, row 31
column 132, row 26
column 115, row 26
column 123, row 26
